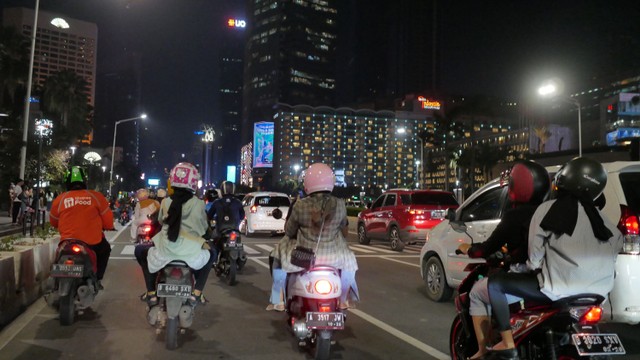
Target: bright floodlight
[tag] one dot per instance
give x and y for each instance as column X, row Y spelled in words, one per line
column 401, row 130
column 547, row 89
column 143, row 116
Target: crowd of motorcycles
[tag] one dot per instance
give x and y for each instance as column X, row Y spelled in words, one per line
column 566, row 329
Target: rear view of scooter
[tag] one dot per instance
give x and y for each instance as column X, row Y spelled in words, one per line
column 232, row 256
column 174, row 312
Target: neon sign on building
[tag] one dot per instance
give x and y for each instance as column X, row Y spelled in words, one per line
column 428, row 104
column 236, row 23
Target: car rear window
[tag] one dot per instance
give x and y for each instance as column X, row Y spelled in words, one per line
column 274, row 201
column 631, row 187
column 433, row 199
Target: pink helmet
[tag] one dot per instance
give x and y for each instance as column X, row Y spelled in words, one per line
column 185, row 175
column 318, row 177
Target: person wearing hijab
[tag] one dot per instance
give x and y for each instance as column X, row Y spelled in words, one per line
column 572, row 249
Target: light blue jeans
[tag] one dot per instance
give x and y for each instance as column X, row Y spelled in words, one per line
column 347, row 280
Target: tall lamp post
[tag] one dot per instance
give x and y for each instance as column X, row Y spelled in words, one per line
column 113, row 148
column 43, row 127
column 550, row 89
column 104, row 169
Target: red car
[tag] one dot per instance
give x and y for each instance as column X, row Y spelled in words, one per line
column 404, row 216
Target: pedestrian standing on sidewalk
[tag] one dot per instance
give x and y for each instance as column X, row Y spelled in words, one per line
column 12, row 196
column 18, row 200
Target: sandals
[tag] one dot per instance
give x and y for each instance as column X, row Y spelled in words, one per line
column 275, row 307
column 150, row 298
column 197, row 299
column 347, row 305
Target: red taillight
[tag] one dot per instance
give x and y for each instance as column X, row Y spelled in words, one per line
column 69, row 262
column 176, row 273
column 593, row 315
column 323, row 287
column 324, row 308
column 233, row 236
column 254, row 209
column 147, row 229
column 76, row 248
column 628, row 224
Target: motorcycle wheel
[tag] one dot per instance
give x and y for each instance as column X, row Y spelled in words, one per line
column 171, row 337
column 67, row 307
column 460, row 346
column 323, row 345
column 230, row 276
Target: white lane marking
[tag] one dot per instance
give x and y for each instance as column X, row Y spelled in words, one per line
column 128, row 250
column 265, row 247
column 400, row 261
column 391, row 330
column 121, row 257
column 379, row 248
column 353, row 232
column 118, row 233
column 250, row 251
column 400, row 335
column 16, row 326
column 361, row 248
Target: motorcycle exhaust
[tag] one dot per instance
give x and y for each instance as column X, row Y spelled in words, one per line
column 86, row 295
column 300, row 330
column 186, row 316
column 153, row 316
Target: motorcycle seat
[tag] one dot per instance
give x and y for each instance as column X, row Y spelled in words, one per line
column 579, row 300
column 177, row 263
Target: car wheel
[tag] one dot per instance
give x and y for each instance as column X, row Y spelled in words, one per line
column 435, row 279
column 362, row 235
column 245, row 229
column 394, row 239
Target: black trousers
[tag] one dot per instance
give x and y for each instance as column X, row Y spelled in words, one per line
column 15, row 211
column 103, row 251
column 142, row 251
column 524, row 285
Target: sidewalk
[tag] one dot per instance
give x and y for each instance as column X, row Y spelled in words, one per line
column 7, row 229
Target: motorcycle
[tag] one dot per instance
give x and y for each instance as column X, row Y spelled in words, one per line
column 146, row 231
column 174, row 312
column 232, row 257
column 313, row 298
column 564, row 329
column 124, row 216
column 73, row 279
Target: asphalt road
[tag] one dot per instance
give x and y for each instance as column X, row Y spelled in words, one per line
column 393, row 321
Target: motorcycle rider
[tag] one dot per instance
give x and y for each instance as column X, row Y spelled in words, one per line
column 303, row 228
column 227, row 212
column 146, row 211
column 83, row 214
column 572, row 249
column 161, row 194
column 528, row 184
column 184, row 222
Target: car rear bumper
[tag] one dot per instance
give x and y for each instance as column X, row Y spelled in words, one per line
column 266, row 226
column 414, row 233
column 625, row 296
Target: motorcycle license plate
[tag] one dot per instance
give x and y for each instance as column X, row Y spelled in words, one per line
column 237, row 246
column 598, row 344
column 172, row 290
column 63, row 270
column 325, row 320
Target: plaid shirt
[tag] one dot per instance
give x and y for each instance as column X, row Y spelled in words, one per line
column 303, row 228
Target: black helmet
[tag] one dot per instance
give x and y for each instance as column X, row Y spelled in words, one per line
column 582, row 175
column 227, row 188
column 528, row 182
column 76, row 178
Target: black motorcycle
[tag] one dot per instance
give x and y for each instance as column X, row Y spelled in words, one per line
column 231, row 258
column 561, row 330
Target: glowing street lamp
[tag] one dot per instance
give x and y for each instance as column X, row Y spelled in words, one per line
column 550, row 89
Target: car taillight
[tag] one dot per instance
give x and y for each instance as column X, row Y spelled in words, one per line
column 630, row 228
column 323, row 287
column 253, row 209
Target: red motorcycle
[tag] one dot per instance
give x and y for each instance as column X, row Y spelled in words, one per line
column 561, row 330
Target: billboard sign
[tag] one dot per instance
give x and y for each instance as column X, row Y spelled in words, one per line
column 263, row 145
column 231, row 173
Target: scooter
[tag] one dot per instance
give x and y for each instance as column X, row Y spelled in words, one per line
column 232, row 257
column 73, row 280
column 313, row 297
column 564, row 329
column 173, row 313
column 146, row 231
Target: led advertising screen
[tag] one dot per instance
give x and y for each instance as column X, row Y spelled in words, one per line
column 153, row 182
column 231, row 173
column 263, row 145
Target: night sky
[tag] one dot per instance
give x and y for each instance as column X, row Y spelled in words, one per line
column 502, row 48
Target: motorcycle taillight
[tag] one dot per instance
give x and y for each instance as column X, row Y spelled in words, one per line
column 176, row 273
column 323, row 287
column 147, row 229
column 587, row 315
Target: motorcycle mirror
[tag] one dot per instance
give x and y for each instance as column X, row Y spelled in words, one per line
column 277, row 214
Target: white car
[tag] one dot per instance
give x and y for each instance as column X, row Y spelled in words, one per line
column 443, row 270
column 258, row 208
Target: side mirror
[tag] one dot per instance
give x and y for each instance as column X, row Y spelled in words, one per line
column 277, row 214
column 451, row 214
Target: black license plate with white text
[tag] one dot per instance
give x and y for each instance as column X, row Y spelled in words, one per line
column 598, row 344
column 325, row 320
column 173, row 290
column 64, row 270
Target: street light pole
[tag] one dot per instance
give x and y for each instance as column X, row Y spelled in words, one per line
column 25, row 118
column 113, row 148
column 551, row 89
column 421, row 177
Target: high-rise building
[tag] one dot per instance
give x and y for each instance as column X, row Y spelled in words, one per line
column 290, row 57
column 62, row 43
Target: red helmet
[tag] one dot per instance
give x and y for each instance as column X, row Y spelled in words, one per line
column 318, row 177
column 185, row 175
column 528, row 182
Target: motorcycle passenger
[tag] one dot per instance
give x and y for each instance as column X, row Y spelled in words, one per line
column 528, row 184
column 572, row 249
column 227, row 212
column 184, row 222
column 83, row 214
column 303, row 228
column 146, row 211
column 160, row 195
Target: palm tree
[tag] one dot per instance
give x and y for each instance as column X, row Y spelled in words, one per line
column 488, row 156
column 447, row 130
column 64, row 98
column 14, row 62
column 543, row 135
